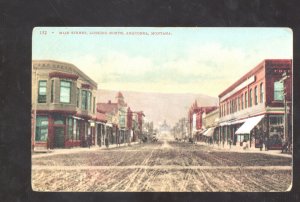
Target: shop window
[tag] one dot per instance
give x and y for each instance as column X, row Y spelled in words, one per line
column 278, row 91
column 59, row 120
column 276, row 127
column 261, row 93
column 76, row 128
column 42, row 92
column 41, row 132
column 70, row 128
column 65, row 91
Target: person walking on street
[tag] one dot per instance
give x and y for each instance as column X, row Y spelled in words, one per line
column 266, row 143
column 106, row 142
column 89, row 141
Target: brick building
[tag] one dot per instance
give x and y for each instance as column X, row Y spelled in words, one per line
column 253, row 108
column 63, row 105
column 195, row 120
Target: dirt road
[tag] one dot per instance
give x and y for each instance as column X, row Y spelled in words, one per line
column 161, row 166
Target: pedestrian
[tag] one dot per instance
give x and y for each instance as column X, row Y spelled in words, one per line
column 89, row 140
column 229, row 143
column 266, row 143
column 106, row 142
column 260, row 144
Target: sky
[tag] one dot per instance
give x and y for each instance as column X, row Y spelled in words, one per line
column 183, row 60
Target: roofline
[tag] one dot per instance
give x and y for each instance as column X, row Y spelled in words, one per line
column 249, row 73
column 74, row 66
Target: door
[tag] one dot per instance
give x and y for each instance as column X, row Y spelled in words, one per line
column 59, row 137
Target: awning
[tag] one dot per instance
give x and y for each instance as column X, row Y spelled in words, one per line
column 249, row 124
column 223, row 123
column 209, row 132
column 78, row 118
column 237, row 121
column 109, row 124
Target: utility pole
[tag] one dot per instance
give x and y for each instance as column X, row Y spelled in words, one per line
column 282, row 80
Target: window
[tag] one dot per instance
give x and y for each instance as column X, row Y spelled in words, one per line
column 238, row 107
column 77, row 95
column 59, row 120
column 86, row 100
column 65, row 91
column 227, row 107
column 250, row 98
column 278, row 91
column 94, row 104
column 89, row 100
column 261, row 93
column 70, row 128
column 242, row 102
column 246, row 100
column 41, row 131
column 42, row 92
column 52, row 89
column 83, row 99
column 76, row 128
column 255, row 96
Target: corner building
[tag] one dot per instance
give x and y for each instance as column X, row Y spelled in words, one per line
column 258, row 107
column 63, row 106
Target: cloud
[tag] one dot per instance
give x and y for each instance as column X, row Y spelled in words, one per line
column 207, row 68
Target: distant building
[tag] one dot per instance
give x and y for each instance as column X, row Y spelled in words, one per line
column 195, row 120
column 63, row 105
column 124, row 124
column 164, row 127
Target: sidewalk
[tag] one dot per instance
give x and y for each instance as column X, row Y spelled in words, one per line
column 238, row 148
column 38, row 154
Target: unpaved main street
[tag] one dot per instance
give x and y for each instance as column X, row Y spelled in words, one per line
column 162, row 166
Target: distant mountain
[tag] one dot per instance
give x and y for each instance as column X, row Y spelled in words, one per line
column 159, row 106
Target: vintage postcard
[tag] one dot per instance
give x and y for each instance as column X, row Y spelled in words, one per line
column 170, row 109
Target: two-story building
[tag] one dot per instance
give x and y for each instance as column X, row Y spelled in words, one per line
column 257, row 107
column 210, row 123
column 63, row 105
column 195, row 120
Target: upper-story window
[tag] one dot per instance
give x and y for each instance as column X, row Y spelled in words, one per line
column 42, row 92
column 261, row 93
column 86, row 100
column 94, row 104
column 278, row 91
column 242, row 102
column 255, row 96
column 89, row 100
column 65, row 92
column 52, row 91
column 250, row 98
column 246, row 100
column 227, row 107
column 77, row 97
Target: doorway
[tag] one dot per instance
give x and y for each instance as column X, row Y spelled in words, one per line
column 59, row 137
